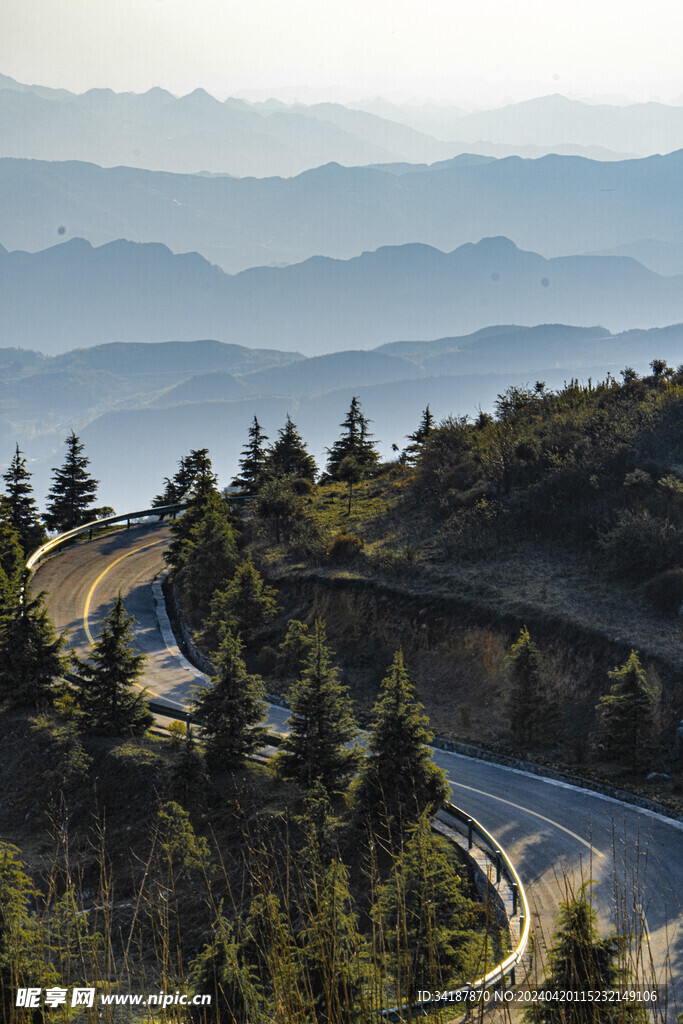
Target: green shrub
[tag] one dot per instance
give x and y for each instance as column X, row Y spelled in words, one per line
column 344, row 547
column 302, row 487
column 639, row 544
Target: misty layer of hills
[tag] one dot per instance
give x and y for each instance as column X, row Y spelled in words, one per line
column 556, row 206
column 197, row 132
column 308, row 281
column 546, row 121
column 74, row 295
column 139, row 407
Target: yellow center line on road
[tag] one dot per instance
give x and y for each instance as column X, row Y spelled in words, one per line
column 526, row 810
column 86, row 608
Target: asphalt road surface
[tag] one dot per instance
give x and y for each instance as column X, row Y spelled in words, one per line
column 555, row 834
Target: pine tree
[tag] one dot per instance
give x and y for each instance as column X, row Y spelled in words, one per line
column 206, row 558
column 580, row 961
column 232, row 709
column 11, row 561
column 22, row 508
column 532, row 714
column 626, row 712
column 32, row 657
column 193, row 471
column 412, row 452
column 295, row 646
column 253, row 462
column 277, row 501
column 245, row 605
column 288, row 456
column 398, row 778
column 21, row 935
column 201, row 496
column 220, row 971
column 423, row 914
column 354, row 443
column 321, row 724
column 332, row 956
column 69, row 503
column 106, row 692
column 269, row 949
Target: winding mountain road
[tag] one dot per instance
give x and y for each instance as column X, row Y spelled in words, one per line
column 554, row 833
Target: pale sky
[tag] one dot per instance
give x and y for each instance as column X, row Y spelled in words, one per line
column 465, row 51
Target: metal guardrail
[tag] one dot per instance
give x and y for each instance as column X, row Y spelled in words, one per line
column 97, row 524
column 501, row 971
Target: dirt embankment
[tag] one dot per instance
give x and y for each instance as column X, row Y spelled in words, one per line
column 456, row 645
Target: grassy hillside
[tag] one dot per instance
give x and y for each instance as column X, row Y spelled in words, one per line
column 562, row 513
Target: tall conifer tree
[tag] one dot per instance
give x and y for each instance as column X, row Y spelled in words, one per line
column 253, row 462
column 106, row 692
column 244, row 605
column 232, row 709
column 398, row 778
column 206, row 558
column 321, row 724
column 11, row 559
column 355, row 442
column 422, row 911
column 32, row 656
column 626, row 712
column 532, row 712
column 288, row 456
column 200, row 491
column 22, row 508
column 418, row 438
column 73, row 491
column 579, row 960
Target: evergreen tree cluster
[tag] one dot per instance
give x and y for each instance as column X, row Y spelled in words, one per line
column 287, row 458
column 69, row 502
column 194, row 471
column 626, row 714
column 221, row 590
column 306, row 945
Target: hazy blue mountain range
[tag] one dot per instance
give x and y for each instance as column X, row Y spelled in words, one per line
column 140, row 406
column 664, row 256
column 548, row 121
column 198, row 132
column 441, row 121
column 556, row 206
column 74, row 295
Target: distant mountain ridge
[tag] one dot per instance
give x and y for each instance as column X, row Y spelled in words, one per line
column 554, row 206
column 73, row 294
column 548, row 121
column 197, row 132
